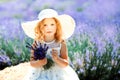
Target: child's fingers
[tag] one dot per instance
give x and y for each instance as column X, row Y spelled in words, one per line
column 54, row 52
column 40, row 45
column 54, row 55
column 45, row 47
column 34, row 46
column 36, row 43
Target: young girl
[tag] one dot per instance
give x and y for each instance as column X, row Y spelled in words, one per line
column 50, row 32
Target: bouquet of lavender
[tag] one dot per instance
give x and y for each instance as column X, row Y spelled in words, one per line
column 40, row 52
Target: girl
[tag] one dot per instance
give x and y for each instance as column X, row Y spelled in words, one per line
column 49, row 55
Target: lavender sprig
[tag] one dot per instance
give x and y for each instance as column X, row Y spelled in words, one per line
column 4, row 61
column 39, row 50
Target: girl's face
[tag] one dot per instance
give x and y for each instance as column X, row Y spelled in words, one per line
column 49, row 27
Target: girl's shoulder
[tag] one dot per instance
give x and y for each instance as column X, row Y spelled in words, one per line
column 63, row 42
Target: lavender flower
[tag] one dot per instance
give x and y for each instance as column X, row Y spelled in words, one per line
column 39, row 50
column 4, row 61
column 93, row 68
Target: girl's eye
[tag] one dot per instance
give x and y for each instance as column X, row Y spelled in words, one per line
column 45, row 25
column 52, row 24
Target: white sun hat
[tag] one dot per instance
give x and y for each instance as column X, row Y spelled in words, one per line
column 66, row 21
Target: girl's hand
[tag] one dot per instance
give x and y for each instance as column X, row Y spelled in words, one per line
column 39, row 50
column 54, row 54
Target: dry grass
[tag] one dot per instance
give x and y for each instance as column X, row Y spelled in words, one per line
column 14, row 72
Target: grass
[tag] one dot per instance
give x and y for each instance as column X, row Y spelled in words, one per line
column 15, row 49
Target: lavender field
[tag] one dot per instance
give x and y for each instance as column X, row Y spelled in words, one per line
column 94, row 48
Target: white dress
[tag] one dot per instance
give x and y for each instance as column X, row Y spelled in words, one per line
column 53, row 73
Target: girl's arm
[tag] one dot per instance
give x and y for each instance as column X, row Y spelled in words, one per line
column 63, row 59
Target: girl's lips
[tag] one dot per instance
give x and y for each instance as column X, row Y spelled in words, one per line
column 49, row 32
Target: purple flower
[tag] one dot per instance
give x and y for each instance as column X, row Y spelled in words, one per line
column 39, row 50
column 4, row 58
column 93, row 68
column 81, row 70
column 4, row 61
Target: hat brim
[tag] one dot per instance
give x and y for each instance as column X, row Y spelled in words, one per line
column 66, row 21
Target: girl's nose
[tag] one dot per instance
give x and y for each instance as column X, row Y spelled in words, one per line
column 48, row 26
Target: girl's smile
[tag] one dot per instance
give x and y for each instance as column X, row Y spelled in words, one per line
column 49, row 31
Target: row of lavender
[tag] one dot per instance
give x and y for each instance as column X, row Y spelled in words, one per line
column 13, row 12
column 94, row 49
